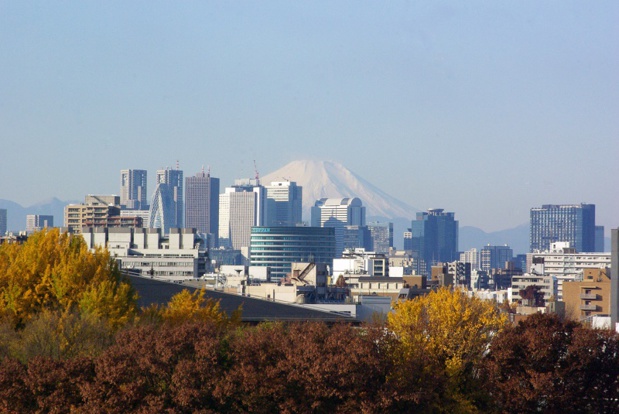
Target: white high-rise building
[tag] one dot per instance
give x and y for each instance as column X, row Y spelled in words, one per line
column 284, row 203
column 472, row 257
column 338, row 213
column 133, row 195
column 241, row 207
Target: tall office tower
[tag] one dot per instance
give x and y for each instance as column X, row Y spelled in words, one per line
column 472, row 257
column 574, row 223
column 494, row 257
column 434, row 238
column 338, row 213
column 3, row 221
column 241, row 207
column 408, row 239
column 381, row 237
column 36, row 222
column 285, row 203
column 133, row 189
column 166, row 209
column 302, row 244
column 599, row 239
column 202, row 203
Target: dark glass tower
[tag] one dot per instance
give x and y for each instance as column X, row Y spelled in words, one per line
column 434, row 239
column 574, row 223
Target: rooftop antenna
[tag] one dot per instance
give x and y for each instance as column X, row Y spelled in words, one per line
column 177, row 165
column 209, row 171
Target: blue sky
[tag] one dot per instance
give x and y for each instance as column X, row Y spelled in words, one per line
column 482, row 108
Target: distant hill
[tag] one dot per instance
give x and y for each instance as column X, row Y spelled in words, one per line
column 517, row 238
column 16, row 214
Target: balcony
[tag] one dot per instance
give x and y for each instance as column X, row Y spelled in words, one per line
column 588, row 296
column 588, row 307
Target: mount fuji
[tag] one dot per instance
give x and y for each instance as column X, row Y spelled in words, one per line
column 328, row 179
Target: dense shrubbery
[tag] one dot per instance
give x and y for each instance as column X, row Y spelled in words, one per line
column 66, row 348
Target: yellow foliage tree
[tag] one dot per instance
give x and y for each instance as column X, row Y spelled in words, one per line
column 186, row 306
column 451, row 332
column 54, row 271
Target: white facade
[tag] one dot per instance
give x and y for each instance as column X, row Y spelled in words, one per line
column 338, row 213
column 145, row 252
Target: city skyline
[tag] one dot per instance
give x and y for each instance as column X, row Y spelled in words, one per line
column 483, row 109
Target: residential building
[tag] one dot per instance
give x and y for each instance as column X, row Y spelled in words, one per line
column 338, row 213
column 588, row 297
column 360, row 262
column 381, row 237
column 277, row 247
column 94, row 212
column 435, row 238
column 133, row 189
column 285, row 203
column 573, row 223
column 166, row 207
column 36, row 222
column 202, row 204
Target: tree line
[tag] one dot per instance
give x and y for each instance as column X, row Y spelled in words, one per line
column 67, row 345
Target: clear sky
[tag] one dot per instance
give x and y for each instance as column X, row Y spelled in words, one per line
column 484, row 108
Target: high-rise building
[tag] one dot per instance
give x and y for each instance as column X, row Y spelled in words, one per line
column 285, row 203
column 166, row 209
column 494, row 257
column 338, row 213
column 599, row 239
column 36, row 222
column 434, row 238
column 472, row 257
column 381, row 237
column 202, row 203
column 241, row 207
column 278, row 247
column 96, row 211
column 133, row 195
column 3, row 221
column 573, row 223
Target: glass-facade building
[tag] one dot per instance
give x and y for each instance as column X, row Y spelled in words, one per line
column 573, row 223
column 434, row 239
column 279, row 247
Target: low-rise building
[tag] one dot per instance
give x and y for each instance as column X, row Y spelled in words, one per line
column 589, row 297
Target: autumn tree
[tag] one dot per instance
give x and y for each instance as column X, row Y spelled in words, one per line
column 54, row 271
column 448, row 333
column 548, row 364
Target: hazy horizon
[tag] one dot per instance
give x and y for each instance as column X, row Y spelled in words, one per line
column 481, row 108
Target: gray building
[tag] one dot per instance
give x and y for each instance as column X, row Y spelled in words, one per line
column 573, row 223
column 133, row 189
column 36, row 222
column 381, row 237
column 202, row 204
column 3, row 221
column 278, row 247
column 338, row 213
column 285, row 203
column 494, row 257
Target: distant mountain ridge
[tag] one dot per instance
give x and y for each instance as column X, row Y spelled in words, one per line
column 16, row 213
column 329, row 179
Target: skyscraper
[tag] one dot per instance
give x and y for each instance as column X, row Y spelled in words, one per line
column 202, row 203
column 381, row 237
column 338, row 213
column 434, row 238
column 133, row 189
column 494, row 257
column 3, row 221
column 573, row 223
column 285, row 203
column 241, row 207
column 166, row 209
column 36, row 222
